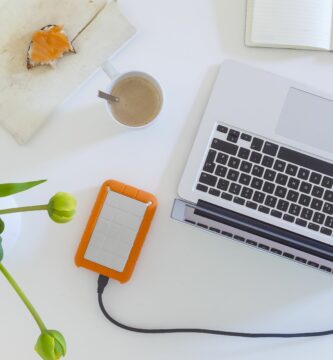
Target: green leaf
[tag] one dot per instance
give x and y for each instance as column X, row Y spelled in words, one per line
column 1, row 249
column 2, row 226
column 13, row 188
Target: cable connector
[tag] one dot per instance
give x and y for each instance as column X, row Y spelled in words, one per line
column 102, row 282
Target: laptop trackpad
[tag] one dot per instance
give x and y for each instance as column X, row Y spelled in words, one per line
column 307, row 118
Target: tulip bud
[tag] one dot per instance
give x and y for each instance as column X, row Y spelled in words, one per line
column 62, row 207
column 51, row 345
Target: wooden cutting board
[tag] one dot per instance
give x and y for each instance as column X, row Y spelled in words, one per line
column 28, row 97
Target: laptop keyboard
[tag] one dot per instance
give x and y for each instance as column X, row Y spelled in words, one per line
column 269, row 178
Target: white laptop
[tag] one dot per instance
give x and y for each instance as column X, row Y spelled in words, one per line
column 261, row 167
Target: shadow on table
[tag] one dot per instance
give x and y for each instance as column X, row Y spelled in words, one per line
column 75, row 130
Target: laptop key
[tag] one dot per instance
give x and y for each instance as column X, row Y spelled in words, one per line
column 246, row 137
column 256, row 183
column 268, row 187
column 209, row 167
column 293, row 183
column 211, row 155
column 328, row 208
column 276, row 251
column 208, row 179
column 279, row 165
column 263, row 246
column 214, row 192
column 307, row 214
column 316, row 204
column 235, row 188
column 315, row 178
column 233, row 162
column 251, row 205
column 201, row 187
column 301, row 222
column 291, row 170
column 325, row 268
column 326, row 231
column 267, row 161
column 304, row 200
column 221, row 171
column 317, row 191
column 288, row 255
column 222, row 158
column 270, row 201
column 318, row 218
column 327, row 182
column 281, row 179
column 257, row 170
column 270, row 149
column 313, row 226
column 277, row 214
column 223, row 184
column 255, row 157
column 258, row 197
column 280, row 192
column 226, row 196
column 269, row 175
column 246, row 166
column 244, row 153
column 292, row 196
column 282, row 205
column 245, row 179
column 328, row 196
column 224, row 146
column 233, row 135
column 288, row 218
column 305, row 187
column 329, row 222
column 303, row 174
column 263, row 209
column 222, row 129
column 239, row 200
column 233, row 175
column 257, row 144
column 246, row 193
column 294, row 209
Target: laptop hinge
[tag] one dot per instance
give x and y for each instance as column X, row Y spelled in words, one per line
column 254, row 232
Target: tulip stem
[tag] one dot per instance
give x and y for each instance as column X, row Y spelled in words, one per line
column 25, row 300
column 24, row 208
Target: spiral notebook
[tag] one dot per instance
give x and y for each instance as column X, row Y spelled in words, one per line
column 298, row 24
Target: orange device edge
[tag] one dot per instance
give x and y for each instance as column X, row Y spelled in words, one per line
column 133, row 193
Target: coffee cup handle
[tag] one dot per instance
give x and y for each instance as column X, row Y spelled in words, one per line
column 110, row 70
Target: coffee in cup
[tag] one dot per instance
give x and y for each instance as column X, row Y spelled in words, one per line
column 140, row 99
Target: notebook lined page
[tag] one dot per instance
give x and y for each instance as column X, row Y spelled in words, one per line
column 292, row 22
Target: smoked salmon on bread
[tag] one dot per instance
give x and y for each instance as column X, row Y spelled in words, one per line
column 48, row 45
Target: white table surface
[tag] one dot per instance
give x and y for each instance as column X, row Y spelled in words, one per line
column 184, row 277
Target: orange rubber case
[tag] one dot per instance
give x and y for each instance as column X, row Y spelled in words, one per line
column 133, row 193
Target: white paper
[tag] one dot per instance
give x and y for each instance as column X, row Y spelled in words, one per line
column 292, row 22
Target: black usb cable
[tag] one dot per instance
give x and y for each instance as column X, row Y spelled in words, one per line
column 103, row 281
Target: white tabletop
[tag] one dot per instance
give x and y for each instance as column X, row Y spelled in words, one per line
column 184, row 277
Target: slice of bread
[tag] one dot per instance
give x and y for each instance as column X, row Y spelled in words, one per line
column 48, row 45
